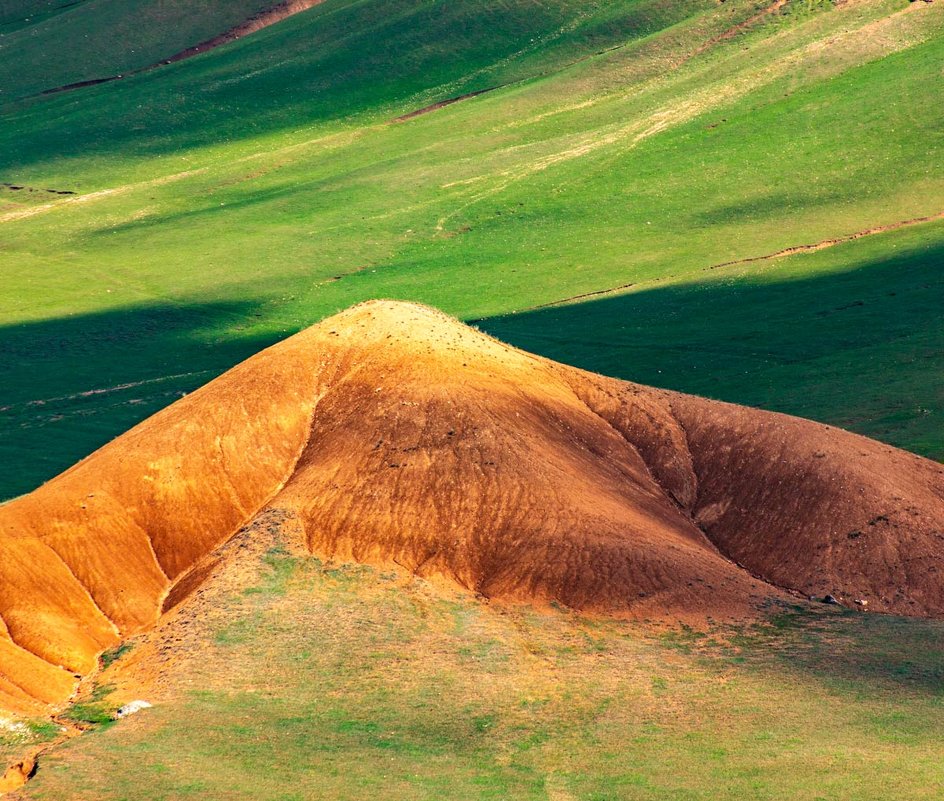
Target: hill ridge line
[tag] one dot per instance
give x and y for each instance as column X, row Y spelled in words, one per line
column 689, row 511
column 262, row 506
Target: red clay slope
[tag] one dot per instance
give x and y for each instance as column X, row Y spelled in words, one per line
column 263, row 19
column 396, row 434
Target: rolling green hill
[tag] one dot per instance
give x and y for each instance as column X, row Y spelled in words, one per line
column 225, row 201
column 45, row 44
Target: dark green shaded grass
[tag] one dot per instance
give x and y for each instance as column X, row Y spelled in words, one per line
column 860, row 345
column 50, row 44
column 47, row 366
column 337, row 60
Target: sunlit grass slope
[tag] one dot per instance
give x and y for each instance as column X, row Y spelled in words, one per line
column 228, row 200
column 338, row 682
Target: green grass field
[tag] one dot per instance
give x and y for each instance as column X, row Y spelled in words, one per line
column 331, row 681
column 51, row 43
column 229, row 200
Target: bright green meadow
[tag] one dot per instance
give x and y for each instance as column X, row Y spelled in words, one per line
column 226, row 201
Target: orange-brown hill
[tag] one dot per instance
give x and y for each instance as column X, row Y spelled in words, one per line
column 396, row 434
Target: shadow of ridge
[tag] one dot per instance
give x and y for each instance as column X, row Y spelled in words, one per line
column 862, row 348
column 69, row 385
column 867, row 654
column 335, row 63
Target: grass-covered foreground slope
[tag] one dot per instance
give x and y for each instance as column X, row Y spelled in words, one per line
column 295, row 679
column 228, row 200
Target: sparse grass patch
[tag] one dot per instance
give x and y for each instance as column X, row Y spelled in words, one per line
column 94, row 711
column 112, row 655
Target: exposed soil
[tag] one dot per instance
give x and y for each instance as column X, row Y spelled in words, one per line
column 17, row 774
column 583, row 296
column 393, row 434
column 256, row 22
column 730, row 33
column 90, row 82
column 200, row 605
column 443, row 104
column 25, row 766
column 742, row 26
column 828, row 243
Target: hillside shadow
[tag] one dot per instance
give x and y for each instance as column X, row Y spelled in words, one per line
column 341, row 64
column 69, row 385
column 852, row 652
column 863, row 348
column 863, row 654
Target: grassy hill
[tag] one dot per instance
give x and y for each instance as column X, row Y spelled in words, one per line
column 295, row 679
column 46, row 44
column 228, row 200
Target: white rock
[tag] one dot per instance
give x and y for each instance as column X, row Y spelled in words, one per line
column 13, row 726
column 131, row 707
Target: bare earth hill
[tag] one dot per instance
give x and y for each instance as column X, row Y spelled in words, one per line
column 393, row 433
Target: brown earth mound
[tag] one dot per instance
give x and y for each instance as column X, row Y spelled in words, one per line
column 395, row 434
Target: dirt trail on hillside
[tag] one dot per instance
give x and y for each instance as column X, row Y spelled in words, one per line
column 256, row 22
column 779, row 254
column 442, row 104
column 90, row 197
column 741, row 27
column 828, row 243
column 394, row 434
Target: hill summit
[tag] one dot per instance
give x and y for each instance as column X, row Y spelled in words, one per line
column 392, row 433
